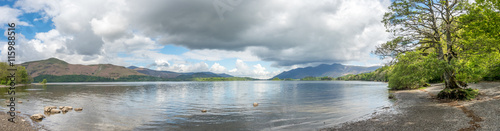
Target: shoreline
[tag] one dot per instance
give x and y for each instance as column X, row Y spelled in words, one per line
column 18, row 85
column 23, row 123
column 421, row 110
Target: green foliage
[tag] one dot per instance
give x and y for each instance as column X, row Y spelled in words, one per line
column 276, row 79
column 458, row 93
column 44, row 82
column 380, row 74
column 310, row 78
column 71, row 78
column 413, row 70
column 22, row 76
column 480, row 35
column 326, row 78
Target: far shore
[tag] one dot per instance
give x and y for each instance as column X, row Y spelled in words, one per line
column 421, row 110
column 18, row 85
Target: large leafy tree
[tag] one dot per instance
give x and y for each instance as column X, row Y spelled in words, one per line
column 429, row 26
column 480, row 39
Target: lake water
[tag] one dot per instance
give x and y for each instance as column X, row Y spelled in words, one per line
column 283, row 105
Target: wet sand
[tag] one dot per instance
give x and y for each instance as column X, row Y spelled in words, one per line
column 420, row 110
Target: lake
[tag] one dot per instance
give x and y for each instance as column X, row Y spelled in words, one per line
column 283, row 105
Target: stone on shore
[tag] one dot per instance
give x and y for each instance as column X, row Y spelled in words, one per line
column 37, row 116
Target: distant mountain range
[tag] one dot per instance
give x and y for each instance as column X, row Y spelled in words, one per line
column 170, row 74
column 64, row 72
column 334, row 70
column 56, row 67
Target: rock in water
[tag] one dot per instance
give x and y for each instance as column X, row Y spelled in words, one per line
column 78, row 109
column 64, row 109
column 55, row 111
column 20, row 101
column 60, row 107
column 69, row 107
column 255, row 104
column 48, row 108
column 37, row 116
column 203, row 111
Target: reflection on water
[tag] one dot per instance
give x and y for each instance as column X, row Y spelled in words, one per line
column 283, row 105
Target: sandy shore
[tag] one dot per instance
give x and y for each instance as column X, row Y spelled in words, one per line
column 420, row 110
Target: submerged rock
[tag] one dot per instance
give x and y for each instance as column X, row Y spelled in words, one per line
column 19, row 101
column 78, row 109
column 60, row 107
column 37, row 116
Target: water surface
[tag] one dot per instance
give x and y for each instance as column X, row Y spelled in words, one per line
column 283, row 105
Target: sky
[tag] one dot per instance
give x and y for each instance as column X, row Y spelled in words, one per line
column 245, row 38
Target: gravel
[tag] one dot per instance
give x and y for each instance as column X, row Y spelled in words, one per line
column 23, row 123
column 420, row 110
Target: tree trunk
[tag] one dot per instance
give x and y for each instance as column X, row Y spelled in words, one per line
column 450, row 81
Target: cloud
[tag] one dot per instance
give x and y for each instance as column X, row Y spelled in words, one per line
column 288, row 33
column 9, row 15
column 258, row 71
column 217, row 68
column 216, row 55
column 189, row 67
column 285, row 32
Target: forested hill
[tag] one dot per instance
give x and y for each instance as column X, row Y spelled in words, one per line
column 334, row 70
column 58, row 67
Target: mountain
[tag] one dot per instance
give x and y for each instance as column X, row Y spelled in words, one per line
column 170, row 74
column 162, row 74
column 334, row 70
column 56, row 67
column 133, row 67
